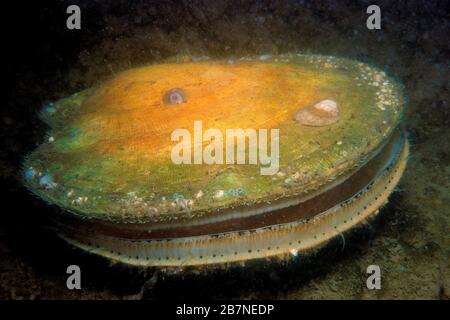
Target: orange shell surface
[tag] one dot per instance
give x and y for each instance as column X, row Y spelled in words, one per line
column 110, row 153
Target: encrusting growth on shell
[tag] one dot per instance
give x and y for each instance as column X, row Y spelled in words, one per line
column 323, row 113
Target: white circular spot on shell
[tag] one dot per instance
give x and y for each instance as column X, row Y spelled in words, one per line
column 323, row 113
column 199, row 194
column 219, row 194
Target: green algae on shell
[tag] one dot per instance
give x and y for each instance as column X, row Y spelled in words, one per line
column 108, row 162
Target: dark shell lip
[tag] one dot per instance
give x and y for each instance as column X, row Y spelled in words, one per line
column 306, row 208
column 381, row 175
column 175, row 96
column 279, row 233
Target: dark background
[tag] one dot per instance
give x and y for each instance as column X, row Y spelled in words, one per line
column 44, row 61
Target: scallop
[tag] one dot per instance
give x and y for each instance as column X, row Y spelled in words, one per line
column 342, row 151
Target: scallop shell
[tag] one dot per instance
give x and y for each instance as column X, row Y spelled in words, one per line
column 108, row 164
